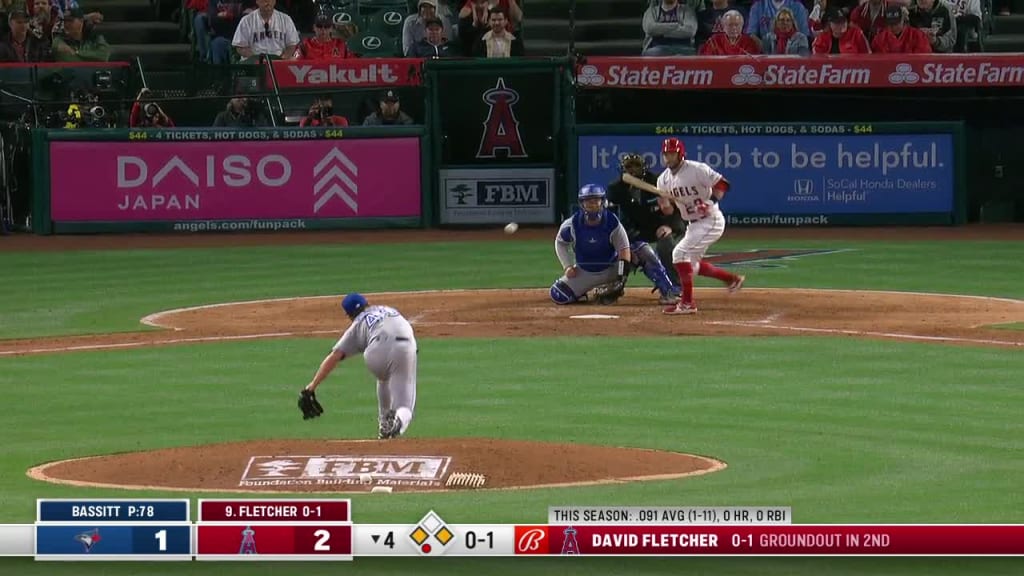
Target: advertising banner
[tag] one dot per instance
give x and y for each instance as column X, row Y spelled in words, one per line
column 801, row 169
column 505, row 116
column 348, row 73
column 192, row 181
column 498, row 196
column 826, row 71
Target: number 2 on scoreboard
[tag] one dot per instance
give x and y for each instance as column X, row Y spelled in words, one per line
column 161, row 537
column 323, row 536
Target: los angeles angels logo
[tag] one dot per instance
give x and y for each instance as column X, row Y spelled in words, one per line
column 501, row 128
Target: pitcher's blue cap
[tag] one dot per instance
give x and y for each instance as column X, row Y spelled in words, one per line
column 353, row 304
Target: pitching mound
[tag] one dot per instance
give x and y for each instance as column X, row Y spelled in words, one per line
column 338, row 466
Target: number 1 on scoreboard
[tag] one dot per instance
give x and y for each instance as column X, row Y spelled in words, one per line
column 161, row 538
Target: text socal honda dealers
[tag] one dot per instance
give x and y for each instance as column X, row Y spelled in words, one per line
column 339, row 75
column 984, row 72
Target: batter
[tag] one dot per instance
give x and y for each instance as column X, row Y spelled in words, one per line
column 386, row 341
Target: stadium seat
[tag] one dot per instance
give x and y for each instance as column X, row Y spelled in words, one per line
column 370, row 45
column 386, row 23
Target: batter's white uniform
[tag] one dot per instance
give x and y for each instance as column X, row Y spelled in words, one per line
column 386, row 341
column 691, row 185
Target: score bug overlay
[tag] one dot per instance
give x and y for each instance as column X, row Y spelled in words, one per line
column 110, row 529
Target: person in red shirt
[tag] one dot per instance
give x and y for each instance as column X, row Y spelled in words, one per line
column 731, row 41
column 899, row 38
column 840, row 38
column 869, row 17
column 147, row 114
column 323, row 46
column 321, row 113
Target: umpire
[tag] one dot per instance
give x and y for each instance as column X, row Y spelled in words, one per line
column 643, row 216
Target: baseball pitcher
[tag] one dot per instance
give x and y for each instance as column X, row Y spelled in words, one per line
column 695, row 188
column 388, row 345
column 601, row 249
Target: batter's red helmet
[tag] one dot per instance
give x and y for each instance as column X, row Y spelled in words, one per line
column 673, row 145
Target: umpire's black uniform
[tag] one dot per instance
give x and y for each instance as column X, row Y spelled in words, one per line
column 641, row 216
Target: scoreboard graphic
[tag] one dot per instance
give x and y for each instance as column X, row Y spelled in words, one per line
column 323, row 530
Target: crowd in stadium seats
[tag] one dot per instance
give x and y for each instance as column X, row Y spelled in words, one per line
column 227, row 31
column 50, row 31
column 736, row 27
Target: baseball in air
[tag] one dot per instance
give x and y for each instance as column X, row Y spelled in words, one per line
column 365, row 479
column 511, row 228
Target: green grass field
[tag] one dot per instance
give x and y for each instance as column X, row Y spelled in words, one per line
column 843, row 430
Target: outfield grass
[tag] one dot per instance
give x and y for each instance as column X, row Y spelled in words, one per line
column 843, row 430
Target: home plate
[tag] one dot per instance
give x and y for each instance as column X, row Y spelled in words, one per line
column 594, row 317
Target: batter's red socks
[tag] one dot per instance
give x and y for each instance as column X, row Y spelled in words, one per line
column 685, row 271
column 706, row 269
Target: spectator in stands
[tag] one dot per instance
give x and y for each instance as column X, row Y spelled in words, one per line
column 731, row 41
column 709, row 19
column 241, row 112
column 785, row 38
column 6, row 7
column 415, row 27
column 199, row 9
column 389, row 112
column 898, row 38
column 870, row 18
column 44, row 18
column 266, row 32
column 321, row 113
column 65, row 6
column 935, row 20
column 480, row 9
column 968, row 21
column 222, row 17
column 498, row 42
column 323, row 45
column 20, row 46
column 473, row 23
column 79, row 43
column 669, row 28
column 433, row 44
column 763, row 12
column 148, row 114
column 841, row 38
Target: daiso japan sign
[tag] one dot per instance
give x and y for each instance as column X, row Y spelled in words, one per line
column 121, row 181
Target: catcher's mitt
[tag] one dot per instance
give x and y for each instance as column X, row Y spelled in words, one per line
column 610, row 293
column 309, row 405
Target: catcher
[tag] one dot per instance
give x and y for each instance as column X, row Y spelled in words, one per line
column 601, row 248
column 388, row 345
column 649, row 220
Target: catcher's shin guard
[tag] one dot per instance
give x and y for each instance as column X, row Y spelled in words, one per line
column 653, row 268
column 561, row 293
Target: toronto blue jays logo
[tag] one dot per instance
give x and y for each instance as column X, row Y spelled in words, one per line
column 88, row 539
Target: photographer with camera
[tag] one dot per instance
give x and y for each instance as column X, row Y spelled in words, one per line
column 241, row 112
column 147, row 114
column 321, row 113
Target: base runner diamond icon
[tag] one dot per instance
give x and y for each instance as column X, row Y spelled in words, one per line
column 431, row 535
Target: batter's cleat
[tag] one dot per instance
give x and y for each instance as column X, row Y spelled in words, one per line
column 737, row 284
column 390, row 426
column 680, row 308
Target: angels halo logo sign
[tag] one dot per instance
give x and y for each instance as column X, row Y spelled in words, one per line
column 501, row 127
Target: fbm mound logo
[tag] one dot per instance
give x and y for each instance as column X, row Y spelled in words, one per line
column 268, row 471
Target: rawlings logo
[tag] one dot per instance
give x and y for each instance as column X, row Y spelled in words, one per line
column 501, row 128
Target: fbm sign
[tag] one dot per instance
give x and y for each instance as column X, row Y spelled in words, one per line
column 497, row 196
column 270, row 471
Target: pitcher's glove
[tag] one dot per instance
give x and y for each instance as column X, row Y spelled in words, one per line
column 309, row 405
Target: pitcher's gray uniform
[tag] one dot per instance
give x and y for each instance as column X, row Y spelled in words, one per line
column 386, row 341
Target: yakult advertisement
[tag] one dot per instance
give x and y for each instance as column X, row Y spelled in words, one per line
column 180, row 181
column 802, row 173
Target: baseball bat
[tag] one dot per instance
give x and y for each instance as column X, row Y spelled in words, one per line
column 644, row 185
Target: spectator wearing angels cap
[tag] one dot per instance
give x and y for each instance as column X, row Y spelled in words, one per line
column 763, row 12
column 731, row 41
column 432, row 45
column 898, row 37
column 498, row 42
column 936, row 21
column 840, row 38
column 389, row 112
column 415, row 27
column 870, row 18
column 709, row 19
column 785, row 38
column 669, row 28
column 323, row 46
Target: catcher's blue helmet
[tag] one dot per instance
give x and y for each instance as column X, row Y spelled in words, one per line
column 590, row 191
column 353, row 304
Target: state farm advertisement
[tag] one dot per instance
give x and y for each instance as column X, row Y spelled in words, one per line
column 782, row 72
column 160, row 181
column 349, row 73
